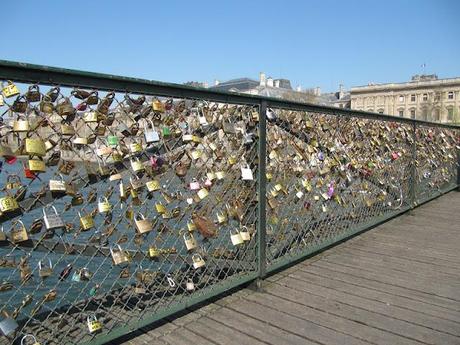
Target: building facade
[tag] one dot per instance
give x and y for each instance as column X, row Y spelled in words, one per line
column 425, row 97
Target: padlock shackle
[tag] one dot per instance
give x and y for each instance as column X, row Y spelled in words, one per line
column 27, row 336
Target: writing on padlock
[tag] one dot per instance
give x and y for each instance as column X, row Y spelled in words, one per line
column 52, row 220
column 86, row 221
column 103, row 205
column 10, row 89
column 94, row 325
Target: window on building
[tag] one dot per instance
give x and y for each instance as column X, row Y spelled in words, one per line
column 437, row 97
column 412, row 113
column 401, row 112
column 436, row 114
column 450, row 95
column 412, row 98
column 425, row 97
column 401, row 98
column 380, row 111
column 450, row 114
column 425, row 113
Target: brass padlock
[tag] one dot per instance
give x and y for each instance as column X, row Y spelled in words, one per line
column 36, row 165
column 197, row 261
column 160, row 208
column 87, row 221
column 46, row 105
column 221, row 217
column 35, row 147
column 154, row 252
column 18, row 232
column 245, row 234
column 58, row 186
column 20, row 125
column 19, row 105
column 118, row 256
column 67, row 129
column 80, row 141
column 153, row 185
column 8, row 204
column 65, row 108
column 10, row 90
column 94, row 325
column 137, row 165
column 90, row 117
column 158, row 106
column 33, row 94
column 135, row 147
column 143, row 225
column 13, row 181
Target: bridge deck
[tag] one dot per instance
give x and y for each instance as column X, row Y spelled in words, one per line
column 396, row 284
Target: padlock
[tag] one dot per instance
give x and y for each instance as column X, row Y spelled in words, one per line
column 158, row 106
column 137, row 165
column 190, row 242
column 8, row 325
column 45, row 272
column 197, row 261
column 139, row 289
column 135, row 147
column 19, row 105
column 202, row 193
column 102, row 150
column 20, row 125
column 2, row 102
column 191, row 226
column 166, row 131
column 33, row 94
column 221, row 217
column 103, row 205
column 87, row 221
column 246, row 173
column 151, row 135
column 228, row 127
column 143, row 225
column 245, row 234
column 50, row 144
column 153, row 185
column 160, row 208
column 18, row 232
column 136, row 183
column 112, row 140
column 46, row 105
column 194, row 185
column 94, row 325
column 52, row 221
column 2, row 235
column 36, row 165
column 35, row 147
column 34, row 340
column 58, row 186
column 236, row 237
column 153, row 252
column 8, row 204
column 13, row 181
column 189, row 285
column 90, row 117
column 65, row 108
column 10, row 90
column 80, row 141
column 196, row 154
column 118, row 256
column 220, row 175
column 67, row 129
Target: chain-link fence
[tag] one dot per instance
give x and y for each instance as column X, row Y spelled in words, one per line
column 119, row 207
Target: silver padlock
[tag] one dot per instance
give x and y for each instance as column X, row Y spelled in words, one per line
column 190, row 242
column 151, row 135
column 236, row 238
column 8, row 326
column 197, row 261
column 35, row 342
column 52, row 221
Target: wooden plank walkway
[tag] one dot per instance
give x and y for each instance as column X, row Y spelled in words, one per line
column 396, row 284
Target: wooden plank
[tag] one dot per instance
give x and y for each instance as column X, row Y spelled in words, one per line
column 385, row 287
column 219, row 333
column 387, row 309
column 183, row 336
column 260, row 330
column 295, row 324
column 422, row 285
column 330, row 320
column 295, row 301
column 375, row 295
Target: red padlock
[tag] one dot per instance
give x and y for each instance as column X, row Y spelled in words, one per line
column 82, row 106
column 28, row 174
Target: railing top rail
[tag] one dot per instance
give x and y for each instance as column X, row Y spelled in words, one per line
column 32, row 73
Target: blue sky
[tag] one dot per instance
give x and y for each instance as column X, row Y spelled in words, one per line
column 312, row 43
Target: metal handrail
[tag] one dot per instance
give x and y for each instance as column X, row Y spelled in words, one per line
column 31, row 73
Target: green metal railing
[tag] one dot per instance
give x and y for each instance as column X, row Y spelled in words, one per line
column 169, row 195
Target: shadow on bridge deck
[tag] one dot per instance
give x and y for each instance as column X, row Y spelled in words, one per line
column 396, row 284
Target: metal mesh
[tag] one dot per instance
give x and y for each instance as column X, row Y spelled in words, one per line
column 329, row 176
column 436, row 160
column 157, row 199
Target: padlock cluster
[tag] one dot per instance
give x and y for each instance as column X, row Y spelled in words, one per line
column 157, row 194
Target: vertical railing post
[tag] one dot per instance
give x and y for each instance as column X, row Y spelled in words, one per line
column 262, row 187
column 458, row 170
column 413, row 171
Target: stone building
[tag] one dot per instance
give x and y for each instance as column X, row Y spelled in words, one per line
column 425, row 97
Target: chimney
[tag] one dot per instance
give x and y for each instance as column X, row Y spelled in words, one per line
column 216, row 82
column 262, row 79
column 270, row 82
column 277, row 83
